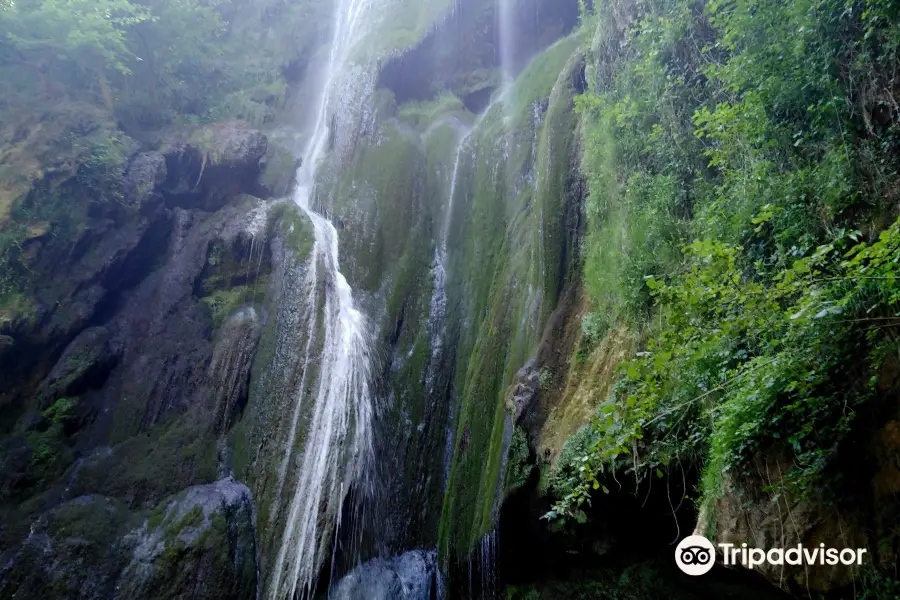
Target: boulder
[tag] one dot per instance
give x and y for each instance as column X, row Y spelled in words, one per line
column 200, row 545
column 144, row 175
column 411, row 576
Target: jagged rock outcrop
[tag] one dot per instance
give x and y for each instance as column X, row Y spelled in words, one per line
column 126, row 361
column 211, row 165
column 144, row 176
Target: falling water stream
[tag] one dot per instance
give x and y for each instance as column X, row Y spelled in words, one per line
column 338, row 448
column 339, row 445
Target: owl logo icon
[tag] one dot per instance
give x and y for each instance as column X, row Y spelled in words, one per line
column 695, row 555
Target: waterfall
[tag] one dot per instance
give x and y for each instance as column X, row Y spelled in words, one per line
column 437, row 318
column 506, row 11
column 338, row 449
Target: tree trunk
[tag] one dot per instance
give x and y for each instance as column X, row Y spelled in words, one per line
column 105, row 90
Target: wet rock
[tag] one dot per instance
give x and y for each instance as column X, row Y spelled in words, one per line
column 74, row 551
column 524, row 391
column 200, row 545
column 410, row 576
column 165, row 325
column 144, row 175
column 84, row 364
column 229, row 370
column 231, row 144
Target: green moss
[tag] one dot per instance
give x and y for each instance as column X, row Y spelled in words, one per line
column 223, row 303
column 421, row 115
column 158, row 515
column 295, row 227
column 380, row 186
column 50, row 454
column 513, row 253
column 154, row 464
column 103, row 170
column 61, row 411
column 211, row 552
column 537, row 80
column 518, row 462
column 101, row 520
column 192, row 519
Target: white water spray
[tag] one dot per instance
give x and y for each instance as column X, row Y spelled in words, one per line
column 339, row 446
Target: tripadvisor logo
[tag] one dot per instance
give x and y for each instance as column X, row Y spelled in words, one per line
column 695, row 555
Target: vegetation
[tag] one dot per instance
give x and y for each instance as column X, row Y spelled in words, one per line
column 741, row 157
column 156, row 60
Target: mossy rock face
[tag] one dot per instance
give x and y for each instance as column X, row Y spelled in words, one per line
column 145, row 174
column 48, row 147
column 199, row 545
column 85, row 363
column 285, row 357
column 153, row 464
column 74, row 551
column 377, row 204
column 279, row 170
column 513, row 250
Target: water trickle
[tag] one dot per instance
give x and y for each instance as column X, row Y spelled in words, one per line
column 488, row 555
column 437, row 321
column 338, row 448
column 506, row 11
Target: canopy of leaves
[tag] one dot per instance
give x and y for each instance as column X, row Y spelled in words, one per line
column 158, row 60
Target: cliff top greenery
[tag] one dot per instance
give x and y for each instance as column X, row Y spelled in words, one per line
column 155, row 61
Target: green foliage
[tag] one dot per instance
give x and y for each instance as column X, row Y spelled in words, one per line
column 518, row 462
column 877, row 586
column 753, row 128
column 570, row 467
column 638, row 581
column 593, row 327
column 103, row 171
column 223, row 303
column 90, row 33
column 159, row 60
column 61, row 411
